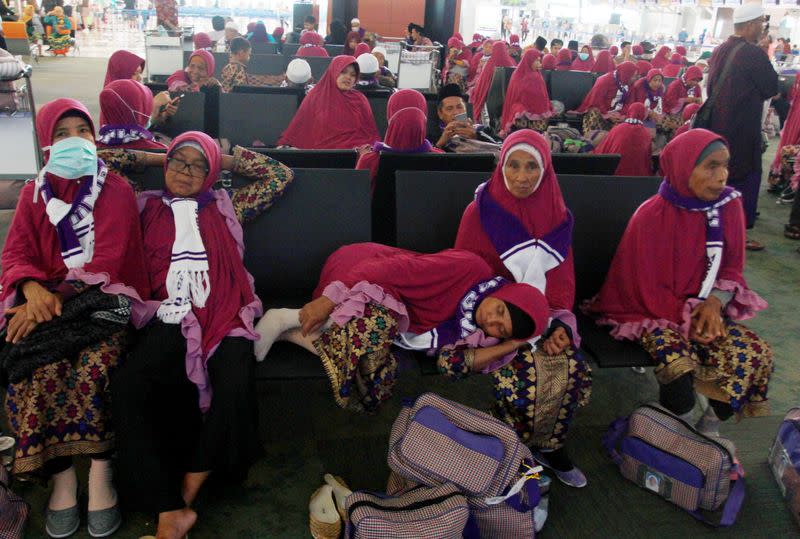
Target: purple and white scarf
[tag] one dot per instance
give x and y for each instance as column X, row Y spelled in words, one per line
column 653, row 98
column 715, row 237
column 634, row 121
column 74, row 222
column 458, row 328
column 426, row 146
column 622, row 94
column 116, row 135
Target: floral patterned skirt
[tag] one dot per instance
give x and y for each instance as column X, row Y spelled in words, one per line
column 788, row 156
column 538, row 394
column 740, row 364
column 358, row 359
column 64, row 408
column 593, row 121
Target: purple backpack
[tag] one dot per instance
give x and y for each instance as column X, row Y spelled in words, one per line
column 667, row 456
column 784, row 459
column 435, row 441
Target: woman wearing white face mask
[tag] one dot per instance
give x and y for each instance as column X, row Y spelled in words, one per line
column 73, row 275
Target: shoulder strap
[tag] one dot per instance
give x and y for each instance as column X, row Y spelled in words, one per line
column 723, row 75
column 731, row 508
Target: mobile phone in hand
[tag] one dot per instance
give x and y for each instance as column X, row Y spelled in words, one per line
column 461, row 117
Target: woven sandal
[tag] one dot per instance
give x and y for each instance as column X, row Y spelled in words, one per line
column 340, row 492
column 324, row 520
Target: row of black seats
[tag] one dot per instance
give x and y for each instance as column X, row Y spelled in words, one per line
column 290, row 49
column 267, row 64
column 419, row 209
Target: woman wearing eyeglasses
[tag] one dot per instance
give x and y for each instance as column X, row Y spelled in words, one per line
column 187, row 392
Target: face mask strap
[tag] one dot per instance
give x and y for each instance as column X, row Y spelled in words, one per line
column 133, row 112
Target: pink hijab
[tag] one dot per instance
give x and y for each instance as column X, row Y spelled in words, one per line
column 564, row 60
column 181, row 78
column 660, row 60
column 661, row 261
column 633, row 142
column 122, row 65
column 125, row 108
column 329, row 118
column 499, row 58
column 406, row 98
column 527, row 93
column 312, row 44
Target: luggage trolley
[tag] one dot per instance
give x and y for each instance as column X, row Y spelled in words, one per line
column 393, row 49
column 164, row 52
column 19, row 145
column 419, row 67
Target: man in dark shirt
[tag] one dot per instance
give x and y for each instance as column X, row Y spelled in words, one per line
column 736, row 115
column 452, row 110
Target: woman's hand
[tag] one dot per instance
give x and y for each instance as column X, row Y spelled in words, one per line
column 42, row 304
column 19, row 326
column 314, row 314
column 228, row 162
column 164, row 107
column 707, row 323
column 556, row 343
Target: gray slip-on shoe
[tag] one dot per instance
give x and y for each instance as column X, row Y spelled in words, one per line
column 62, row 523
column 104, row 522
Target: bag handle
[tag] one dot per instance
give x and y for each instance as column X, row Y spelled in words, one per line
column 731, row 508
column 723, row 76
column 612, row 436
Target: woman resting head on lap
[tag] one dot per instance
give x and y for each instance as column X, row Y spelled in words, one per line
column 371, row 296
column 676, row 286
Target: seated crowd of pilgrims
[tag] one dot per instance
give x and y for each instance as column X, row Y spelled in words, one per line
column 167, row 266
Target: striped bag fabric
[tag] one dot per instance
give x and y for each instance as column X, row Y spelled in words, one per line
column 435, row 441
column 440, row 512
column 14, row 510
column 667, row 456
column 784, row 460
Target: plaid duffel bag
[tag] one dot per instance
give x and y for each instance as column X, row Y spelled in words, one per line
column 435, row 441
column 440, row 512
column 784, row 459
column 667, row 456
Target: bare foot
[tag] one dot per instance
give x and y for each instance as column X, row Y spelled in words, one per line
column 175, row 524
column 191, row 485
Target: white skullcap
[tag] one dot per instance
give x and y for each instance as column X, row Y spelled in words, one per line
column 747, row 13
column 231, row 26
column 367, row 63
column 379, row 50
column 298, row 71
column 355, row 21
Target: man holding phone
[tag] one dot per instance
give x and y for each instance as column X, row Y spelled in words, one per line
column 454, row 121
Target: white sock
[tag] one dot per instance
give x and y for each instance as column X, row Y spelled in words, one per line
column 102, row 494
column 709, row 423
column 65, row 490
column 271, row 325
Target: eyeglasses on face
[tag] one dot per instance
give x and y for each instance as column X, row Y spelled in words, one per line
column 177, row 165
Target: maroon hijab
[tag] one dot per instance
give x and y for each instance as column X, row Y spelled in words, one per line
column 499, row 58
column 231, row 303
column 350, row 51
column 312, row 44
column 660, row 60
column 540, row 213
column 405, row 98
column 527, row 93
column 329, row 118
column 583, row 65
column 678, row 91
column 606, row 87
column 564, row 58
column 125, row 106
column 661, row 261
column 32, row 249
column 603, row 63
column 182, row 77
column 633, row 142
column 122, row 64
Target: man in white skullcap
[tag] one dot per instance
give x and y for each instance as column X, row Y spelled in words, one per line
column 369, row 70
column 298, row 75
column 385, row 75
column 739, row 97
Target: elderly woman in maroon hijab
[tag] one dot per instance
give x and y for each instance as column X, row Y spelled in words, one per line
column 199, row 73
column 649, row 90
column 633, row 142
column 124, row 64
column 521, row 227
column 312, row 44
column 499, row 58
column 676, row 286
column 604, row 104
column 69, row 290
column 527, row 105
column 333, row 114
column 371, row 296
column 683, row 91
column 405, row 134
column 187, row 391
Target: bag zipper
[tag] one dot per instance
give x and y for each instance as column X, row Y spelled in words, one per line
column 409, row 507
column 691, row 428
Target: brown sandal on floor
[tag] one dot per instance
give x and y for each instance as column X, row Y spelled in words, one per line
column 792, row 232
column 753, row 245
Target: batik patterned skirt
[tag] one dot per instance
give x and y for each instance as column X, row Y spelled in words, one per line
column 358, row 359
column 593, row 121
column 739, row 364
column 64, row 409
column 538, row 394
column 788, row 156
column 535, row 393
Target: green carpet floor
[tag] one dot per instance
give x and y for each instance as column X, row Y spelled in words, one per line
column 305, row 435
